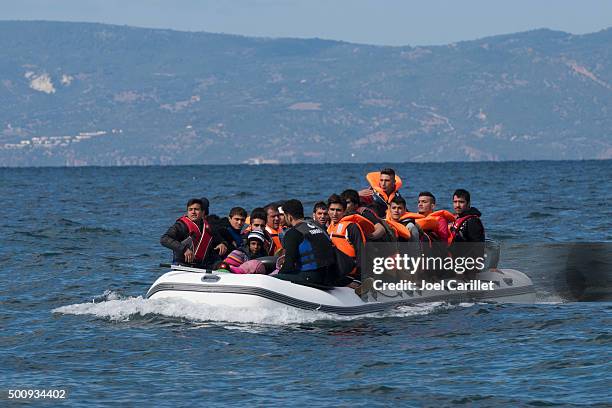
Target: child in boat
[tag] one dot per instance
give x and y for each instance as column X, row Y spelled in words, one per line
column 244, row 259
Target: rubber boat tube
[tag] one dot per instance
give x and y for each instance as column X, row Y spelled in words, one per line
column 257, row 291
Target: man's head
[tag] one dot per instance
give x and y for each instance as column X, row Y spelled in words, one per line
column 397, row 208
column 272, row 216
column 205, row 206
column 387, row 180
column 294, row 211
column 426, row 203
column 194, row 209
column 351, row 198
column 256, row 239
column 461, row 201
column 237, row 217
column 258, row 218
column 336, row 207
column 282, row 221
column 319, row 213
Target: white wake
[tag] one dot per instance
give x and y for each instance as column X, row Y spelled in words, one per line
column 115, row 308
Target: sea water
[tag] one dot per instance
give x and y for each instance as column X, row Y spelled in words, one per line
column 80, row 247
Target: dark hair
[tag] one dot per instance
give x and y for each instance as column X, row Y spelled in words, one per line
column 193, row 201
column 428, row 194
column 205, row 205
column 350, row 195
column 461, row 193
column 336, row 199
column 238, row 211
column 274, row 206
column 390, row 172
column 319, row 206
column 294, row 208
column 399, row 200
column 258, row 213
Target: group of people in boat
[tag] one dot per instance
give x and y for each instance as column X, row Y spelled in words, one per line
column 326, row 248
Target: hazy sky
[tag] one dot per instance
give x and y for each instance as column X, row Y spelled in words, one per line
column 391, row 22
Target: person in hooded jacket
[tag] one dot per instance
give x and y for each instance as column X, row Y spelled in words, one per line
column 467, row 233
column 235, row 224
column 468, row 226
column 252, row 249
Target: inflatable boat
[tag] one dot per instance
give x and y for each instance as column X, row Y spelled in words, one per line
column 217, row 288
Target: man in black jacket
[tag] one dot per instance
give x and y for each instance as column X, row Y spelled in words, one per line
column 191, row 238
column 309, row 254
column 467, row 232
column 468, row 227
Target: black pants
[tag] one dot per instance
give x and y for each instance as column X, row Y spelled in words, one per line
column 314, row 277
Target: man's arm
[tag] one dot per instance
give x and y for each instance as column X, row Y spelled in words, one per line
column 442, row 230
column 291, row 243
column 173, row 238
column 415, row 234
column 475, row 230
column 366, row 196
column 219, row 238
column 379, row 230
column 354, row 237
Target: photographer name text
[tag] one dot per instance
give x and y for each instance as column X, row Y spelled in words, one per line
column 450, row 285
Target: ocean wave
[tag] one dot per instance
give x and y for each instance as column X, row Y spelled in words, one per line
column 538, row 214
column 114, row 307
column 67, row 222
column 97, row 230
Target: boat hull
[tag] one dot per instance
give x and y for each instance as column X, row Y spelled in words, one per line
column 262, row 291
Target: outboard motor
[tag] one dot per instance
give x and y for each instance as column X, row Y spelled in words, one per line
column 269, row 262
column 492, row 251
column 588, row 271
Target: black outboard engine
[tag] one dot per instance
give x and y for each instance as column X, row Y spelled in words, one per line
column 492, row 251
column 269, row 262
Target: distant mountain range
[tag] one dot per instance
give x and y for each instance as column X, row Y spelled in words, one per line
column 96, row 94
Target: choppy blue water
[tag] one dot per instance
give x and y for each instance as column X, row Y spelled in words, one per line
column 80, row 247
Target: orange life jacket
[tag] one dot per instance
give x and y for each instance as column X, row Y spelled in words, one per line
column 411, row 215
column 447, row 215
column 338, row 234
column 430, row 222
column 365, row 224
column 400, row 230
column 274, row 234
column 374, row 181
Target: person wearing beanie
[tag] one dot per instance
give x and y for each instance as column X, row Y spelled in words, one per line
column 258, row 221
column 241, row 260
